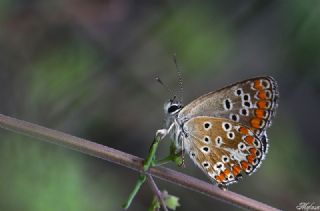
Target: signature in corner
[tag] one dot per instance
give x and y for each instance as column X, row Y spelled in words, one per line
column 307, row 206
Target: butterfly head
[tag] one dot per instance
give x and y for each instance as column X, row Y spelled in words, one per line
column 172, row 107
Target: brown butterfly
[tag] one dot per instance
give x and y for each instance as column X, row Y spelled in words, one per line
column 224, row 132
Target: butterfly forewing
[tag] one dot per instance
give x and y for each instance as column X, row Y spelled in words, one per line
column 222, row 148
column 251, row 102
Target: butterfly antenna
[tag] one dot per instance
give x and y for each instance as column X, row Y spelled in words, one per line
column 165, row 86
column 180, row 79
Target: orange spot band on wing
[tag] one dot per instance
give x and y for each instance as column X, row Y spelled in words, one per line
column 236, row 169
column 257, row 84
column 262, row 104
column 226, row 172
column 260, row 113
column 262, row 95
column 244, row 130
column 253, row 151
column 249, row 139
column 219, row 177
column 256, row 122
column 250, row 158
column 244, row 164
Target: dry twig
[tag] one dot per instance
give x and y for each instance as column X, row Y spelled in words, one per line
column 156, row 192
column 129, row 161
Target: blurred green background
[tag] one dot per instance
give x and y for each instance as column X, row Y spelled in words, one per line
column 87, row 68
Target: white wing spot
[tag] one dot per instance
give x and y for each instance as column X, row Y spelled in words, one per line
column 244, row 112
column 258, row 153
column 206, row 139
column 252, row 86
column 237, row 128
column 238, row 92
column 268, row 94
column 265, row 83
column 265, row 114
column 241, row 146
column 226, row 126
column 247, row 104
column 230, row 135
column 246, row 97
column 218, row 141
column 256, row 143
column 255, row 161
column 231, row 177
column 212, row 174
column 205, row 164
column 249, row 168
column 234, row 117
column 225, row 159
column 219, row 166
column 205, row 150
column 227, row 104
column 207, row 125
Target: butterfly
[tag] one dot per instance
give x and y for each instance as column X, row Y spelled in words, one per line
column 224, row 131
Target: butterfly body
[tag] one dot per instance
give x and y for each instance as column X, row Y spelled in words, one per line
column 224, row 132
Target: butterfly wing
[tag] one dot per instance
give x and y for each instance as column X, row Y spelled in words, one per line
column 251, row 102
column 222, row 148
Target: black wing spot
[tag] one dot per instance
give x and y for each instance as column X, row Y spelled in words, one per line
column 247, row 104
column 246, row 97
column 227, row 104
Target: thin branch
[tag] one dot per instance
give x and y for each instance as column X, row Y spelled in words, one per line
column 156, row 191
column 129, row 161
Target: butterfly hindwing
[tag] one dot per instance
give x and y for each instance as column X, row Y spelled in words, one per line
column 252, row 103
column 222, row 148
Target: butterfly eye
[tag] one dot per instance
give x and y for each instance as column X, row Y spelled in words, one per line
column 173, row 108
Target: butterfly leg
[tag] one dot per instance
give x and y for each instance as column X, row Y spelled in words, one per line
column 162, row 133
column 174, row 156
column 178, row 158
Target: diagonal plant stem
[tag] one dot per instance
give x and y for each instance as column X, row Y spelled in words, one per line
column 156, row 192
column 139, row 183
column 147, row 163
column 129, row 161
